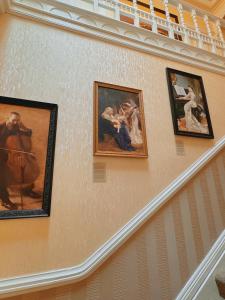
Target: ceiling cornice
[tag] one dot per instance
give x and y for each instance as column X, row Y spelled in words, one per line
column 218, row 3
column 199, row 4
column 206, row 5
column 219, row 9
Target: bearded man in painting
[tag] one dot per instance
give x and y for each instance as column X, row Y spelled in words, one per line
column 16, row 159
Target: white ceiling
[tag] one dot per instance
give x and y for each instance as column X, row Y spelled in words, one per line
column 209, row 4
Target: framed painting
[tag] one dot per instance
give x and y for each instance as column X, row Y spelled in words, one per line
column 119, row 121
column 27, row 143
column 189, row 106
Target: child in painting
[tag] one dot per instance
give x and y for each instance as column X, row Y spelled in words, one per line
column 108, row 115
column 115, row 126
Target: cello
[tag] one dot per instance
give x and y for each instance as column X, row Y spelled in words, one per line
column 23, row 168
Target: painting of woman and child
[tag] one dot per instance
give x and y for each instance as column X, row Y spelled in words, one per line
column 119, row 121
column 188, row 104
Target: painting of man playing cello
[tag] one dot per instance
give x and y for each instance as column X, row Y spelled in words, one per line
column 24, row 149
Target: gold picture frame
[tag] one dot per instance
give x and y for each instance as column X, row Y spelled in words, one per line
column 119, row 123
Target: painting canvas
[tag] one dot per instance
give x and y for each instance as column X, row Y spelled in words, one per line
column 188, row 104
column 27, row 141
column 119, row 121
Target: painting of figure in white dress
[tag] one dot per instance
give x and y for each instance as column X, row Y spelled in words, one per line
column 188, row 104
column 119, row 121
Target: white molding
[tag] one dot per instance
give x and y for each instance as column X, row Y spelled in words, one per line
column 95, row 25
column 198, row 280
column 28, row 283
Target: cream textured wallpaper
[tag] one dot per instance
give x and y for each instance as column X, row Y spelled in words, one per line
column 156, row 262
column 44, row 63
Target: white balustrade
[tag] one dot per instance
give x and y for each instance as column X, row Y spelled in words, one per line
column 207, row 41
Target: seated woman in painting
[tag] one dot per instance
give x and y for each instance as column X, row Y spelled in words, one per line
column 190, row 108
column 115, row 126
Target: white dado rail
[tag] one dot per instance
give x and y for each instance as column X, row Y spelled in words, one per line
column 130, row 26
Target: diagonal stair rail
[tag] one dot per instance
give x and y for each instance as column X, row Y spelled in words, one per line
column 32, row 282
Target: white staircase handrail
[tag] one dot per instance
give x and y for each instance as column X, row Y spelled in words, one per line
column 206, row 268
column 32, row 282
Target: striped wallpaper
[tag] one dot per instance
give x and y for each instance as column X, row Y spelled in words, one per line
column 156, row 262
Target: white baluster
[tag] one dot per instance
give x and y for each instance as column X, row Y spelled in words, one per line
column 193, row 14
column 220, row 34
column 117, row 10
column 219, row 31
column 95, row 5
column 206, row 19
column 136, row 19
column 171, row 32
column 151, row 5
column 152, row 11
column 180, row 10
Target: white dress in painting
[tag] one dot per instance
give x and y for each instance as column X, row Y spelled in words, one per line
column 135, row 132
column 192, row 124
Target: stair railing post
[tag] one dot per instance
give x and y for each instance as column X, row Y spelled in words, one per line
column 152, row 12
column 181, row 13
column 171, row 32
column 220, row 34
column 117, row 10
column 194, row 17
column 206, row 20
column 95, row 5
column 136, row 18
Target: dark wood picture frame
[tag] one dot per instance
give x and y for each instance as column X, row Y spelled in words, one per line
column 48, row 112
column 196, row 112
column 113, row 101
